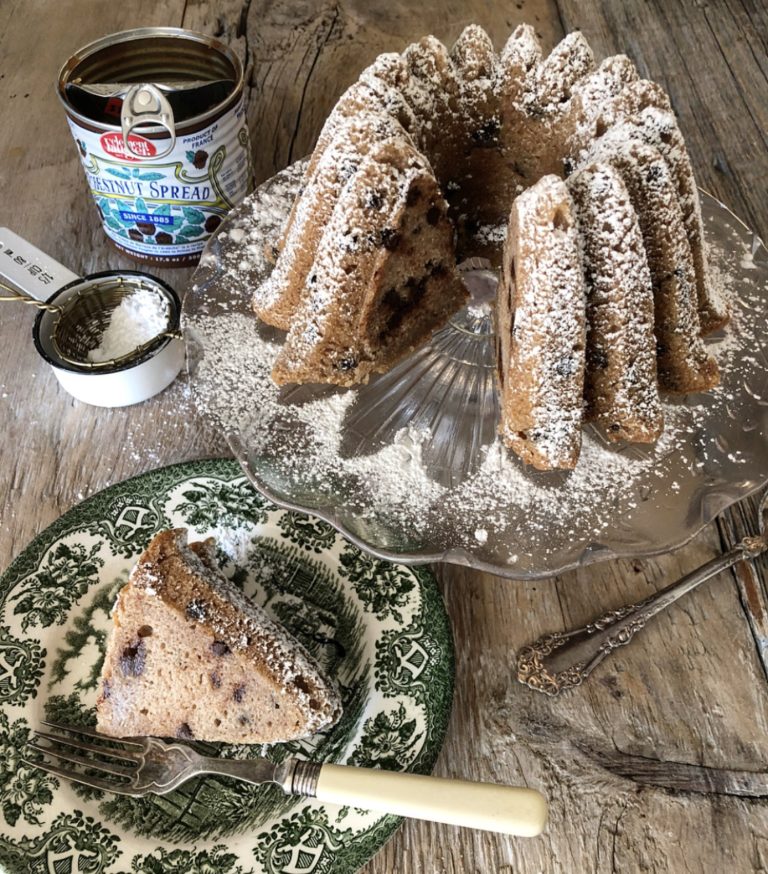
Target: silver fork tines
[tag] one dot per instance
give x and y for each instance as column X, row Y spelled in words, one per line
column 139, row 765
column 68, row 749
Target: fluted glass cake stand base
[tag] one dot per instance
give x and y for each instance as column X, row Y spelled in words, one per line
column 409, row 466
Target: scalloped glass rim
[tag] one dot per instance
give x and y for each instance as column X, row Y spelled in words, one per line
column 736, row 458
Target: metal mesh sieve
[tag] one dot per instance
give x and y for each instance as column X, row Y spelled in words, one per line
column 80, row 322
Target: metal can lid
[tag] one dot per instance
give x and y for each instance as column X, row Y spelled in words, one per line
column 161, row 79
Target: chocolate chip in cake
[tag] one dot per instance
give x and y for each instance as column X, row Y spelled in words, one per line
column 413, row 196
column 219, row 648
column 145, row 631
column 243, row 719
column 433, row 215
column 215, row 680
column 598, row 359
column 106, row 690
column 391, row 299
column 238, row 693
column 487, row 134
column 390, row 239
column 415, row 289
column 133, row 659
column 184, row 732
column 346, row 364
column 346, row 170
column 374, row 200
column 197, row 610
column 565, row 366
column 654, row 173
column 301, row 684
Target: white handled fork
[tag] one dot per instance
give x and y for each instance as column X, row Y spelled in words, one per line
column 140, row 765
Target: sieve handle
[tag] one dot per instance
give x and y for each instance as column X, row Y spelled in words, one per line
column 24, row 267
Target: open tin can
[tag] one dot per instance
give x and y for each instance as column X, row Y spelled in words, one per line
column 159, row 120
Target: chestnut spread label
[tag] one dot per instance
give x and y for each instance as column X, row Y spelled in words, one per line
column 166, row 208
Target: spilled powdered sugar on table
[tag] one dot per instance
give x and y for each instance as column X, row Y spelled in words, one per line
column 385, row 489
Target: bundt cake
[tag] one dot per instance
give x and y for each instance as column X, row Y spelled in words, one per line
column 190, row 656
column 605, row 294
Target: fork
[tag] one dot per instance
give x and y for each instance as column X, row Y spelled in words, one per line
column 142, row 765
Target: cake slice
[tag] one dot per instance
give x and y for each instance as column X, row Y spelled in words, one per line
column 384, row 276
column 276, row 300
column 683, row 363
column 541, row 326
column 621, row 389
column 190, row 656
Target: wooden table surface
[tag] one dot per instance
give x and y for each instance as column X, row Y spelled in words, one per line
column 641, row 765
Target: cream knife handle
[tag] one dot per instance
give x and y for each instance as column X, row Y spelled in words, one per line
column 506, row 809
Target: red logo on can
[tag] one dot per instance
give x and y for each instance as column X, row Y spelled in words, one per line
column 113, row 144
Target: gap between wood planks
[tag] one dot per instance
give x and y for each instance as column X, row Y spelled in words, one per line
column 681, row 776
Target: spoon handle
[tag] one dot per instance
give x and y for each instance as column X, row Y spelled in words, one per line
column 563, row 660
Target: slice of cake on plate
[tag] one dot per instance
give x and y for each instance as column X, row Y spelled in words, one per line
column 190, row 656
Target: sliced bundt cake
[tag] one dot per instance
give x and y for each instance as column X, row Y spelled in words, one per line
column 190, row 656
column 478, row 129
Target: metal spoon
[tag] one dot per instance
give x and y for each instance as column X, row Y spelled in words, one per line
column 563, row 660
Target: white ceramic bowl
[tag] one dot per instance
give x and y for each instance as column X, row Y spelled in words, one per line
column 125, row 384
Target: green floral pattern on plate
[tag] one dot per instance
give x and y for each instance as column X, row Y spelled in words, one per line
column 379, row 628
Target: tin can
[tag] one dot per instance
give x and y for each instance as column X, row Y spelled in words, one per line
column 158, row 116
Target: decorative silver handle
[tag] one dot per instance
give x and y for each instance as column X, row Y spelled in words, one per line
column 563, row 660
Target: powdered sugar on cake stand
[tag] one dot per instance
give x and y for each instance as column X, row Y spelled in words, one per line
column 410, row 467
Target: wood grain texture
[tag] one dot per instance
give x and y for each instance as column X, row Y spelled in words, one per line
column 659, row 763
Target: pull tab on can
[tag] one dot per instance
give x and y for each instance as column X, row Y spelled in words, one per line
column 146, row 105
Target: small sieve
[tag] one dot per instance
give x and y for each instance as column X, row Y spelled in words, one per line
column 82, row 319
column 73, row 320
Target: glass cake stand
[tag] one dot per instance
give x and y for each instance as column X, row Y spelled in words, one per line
column 409, row 466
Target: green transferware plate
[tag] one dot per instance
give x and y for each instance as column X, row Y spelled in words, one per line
column 379, row 628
